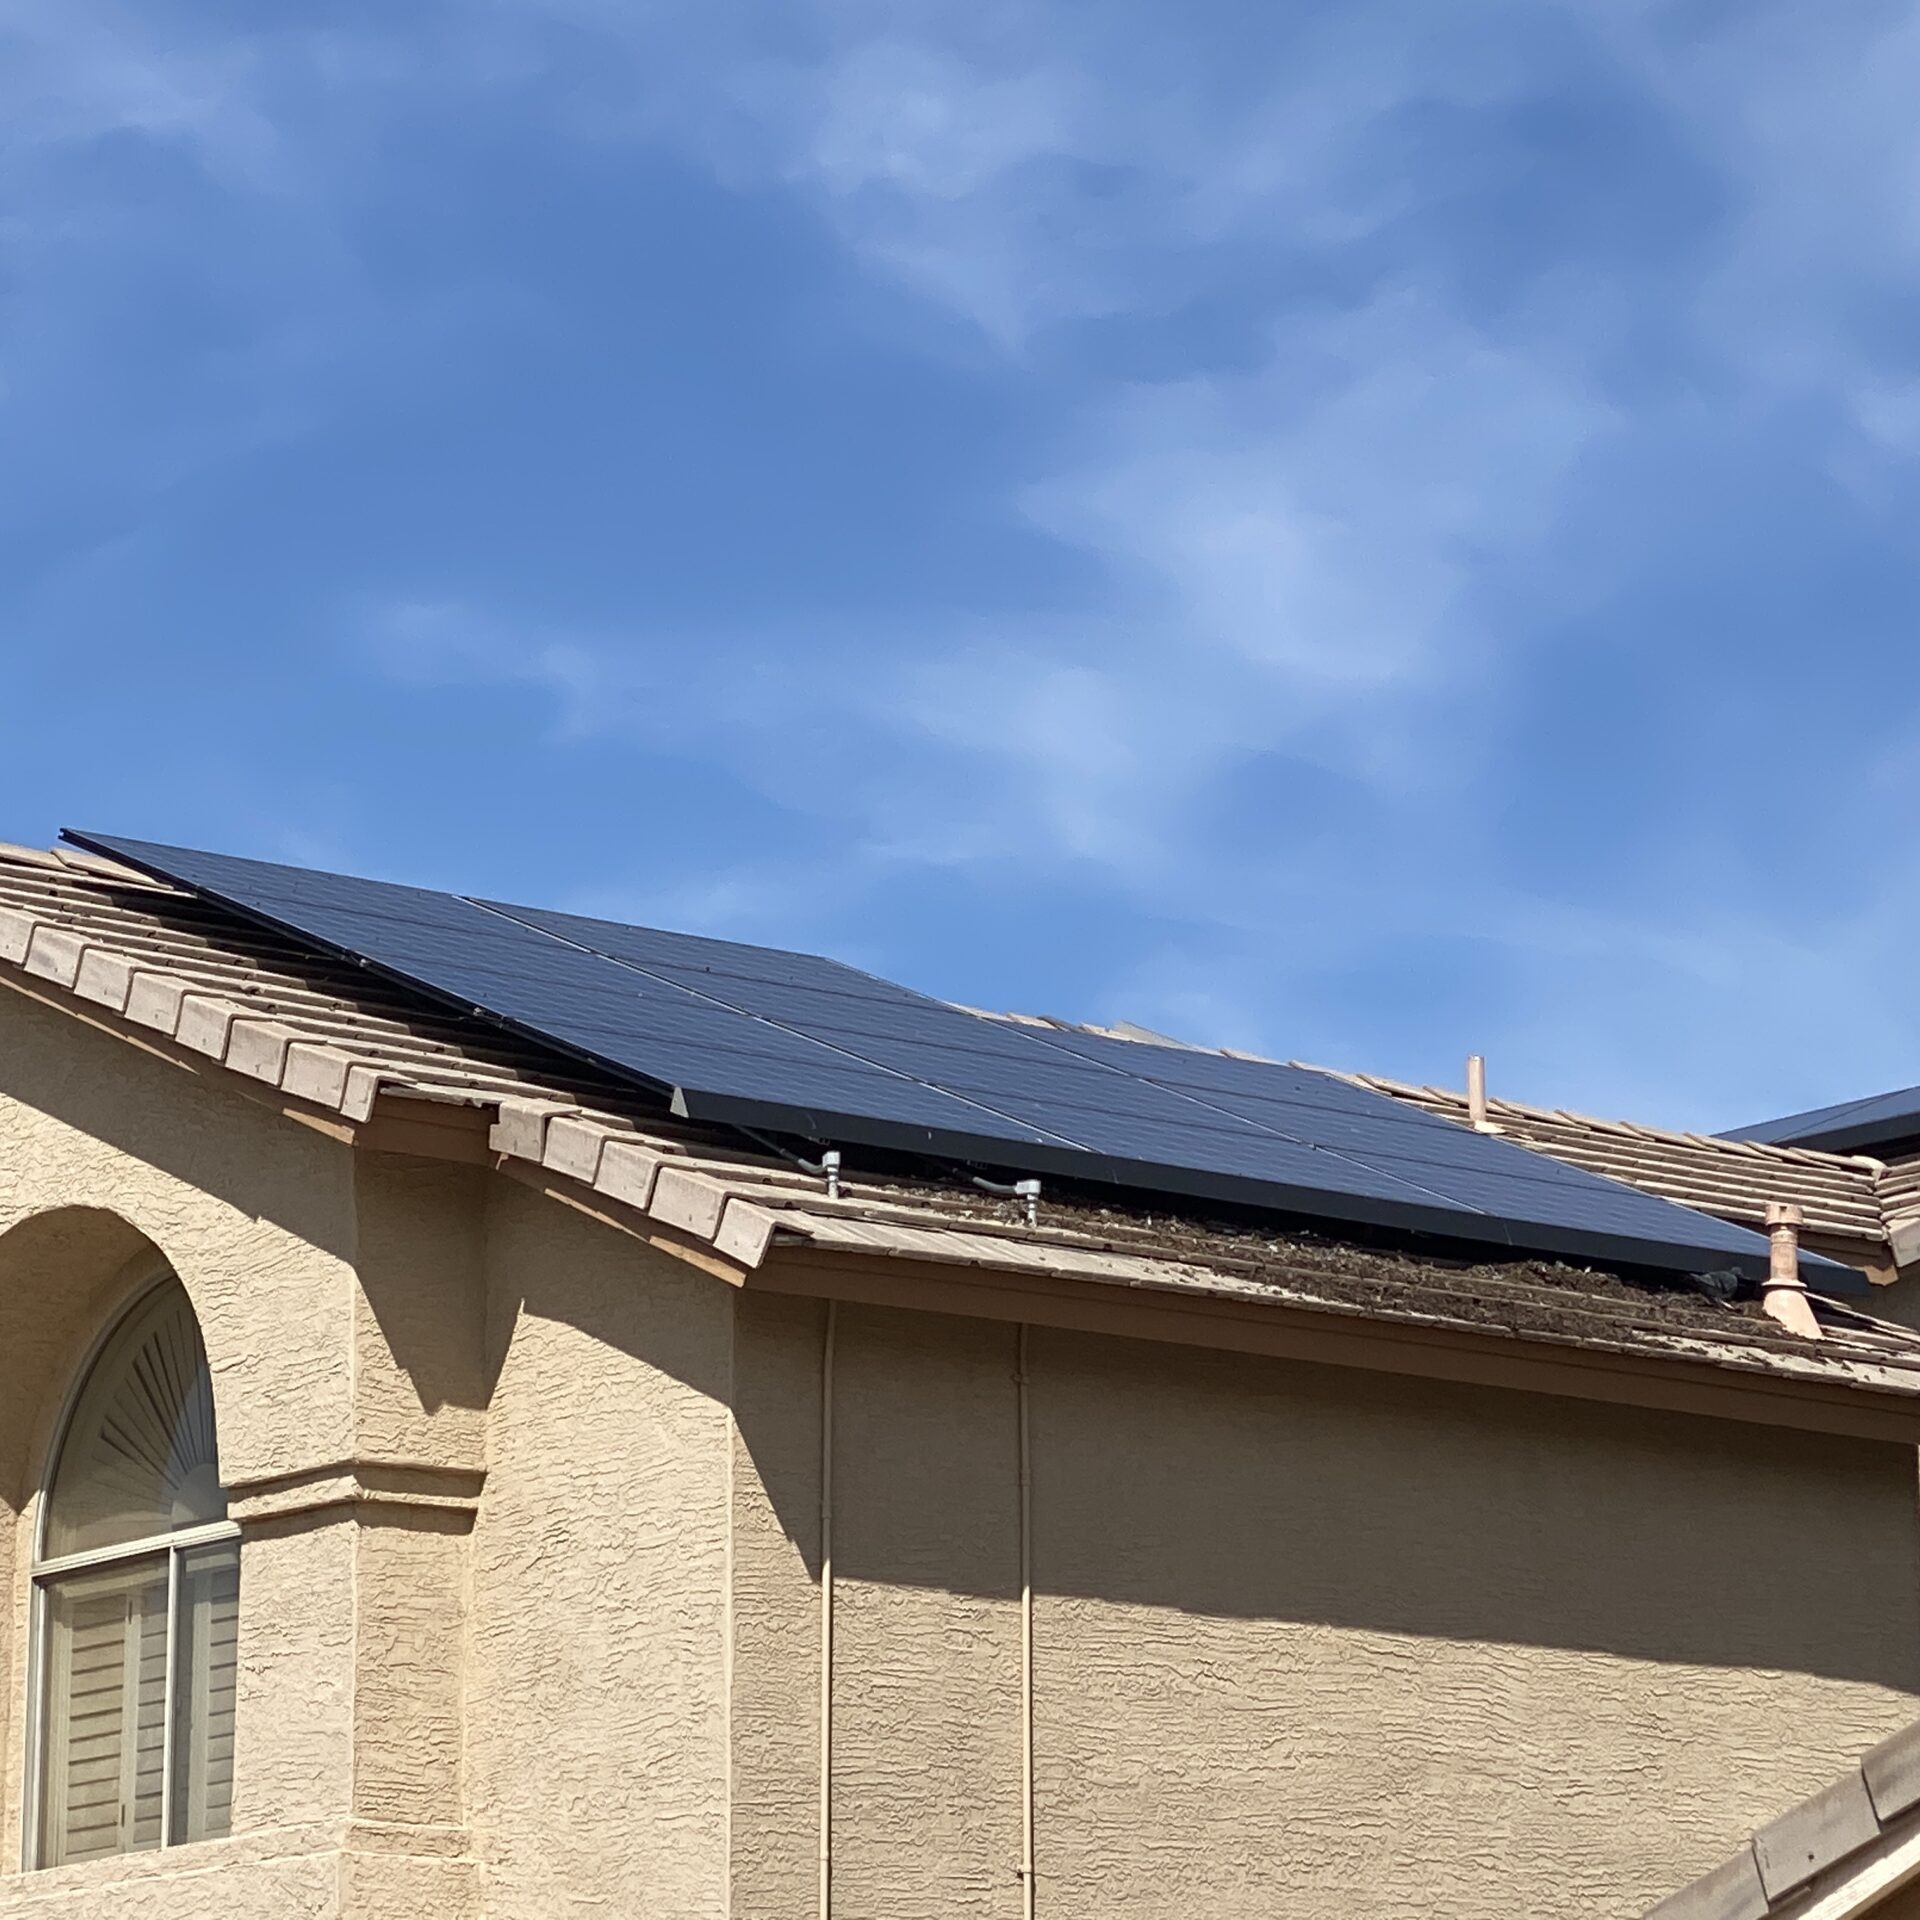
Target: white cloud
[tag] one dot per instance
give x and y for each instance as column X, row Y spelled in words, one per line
column 75, row 72
column 1322, row 517
column 1323, row 546
column 1290, row 556
column 1291, row 550
column 1024, row 166
column 1805, row 117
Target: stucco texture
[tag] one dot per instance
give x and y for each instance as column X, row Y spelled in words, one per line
column 115, row 1165
column 774, row 1690
column 926, row 1762
column 597, row 1667
column 531, row 1621
column 1334, row 1642
column 1312, row 1641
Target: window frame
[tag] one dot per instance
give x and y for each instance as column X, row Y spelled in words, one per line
column 43, row 1573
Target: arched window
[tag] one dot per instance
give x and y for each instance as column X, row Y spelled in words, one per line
column 136, row 1584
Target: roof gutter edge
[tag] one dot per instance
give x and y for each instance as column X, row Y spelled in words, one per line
column 1332, row 1335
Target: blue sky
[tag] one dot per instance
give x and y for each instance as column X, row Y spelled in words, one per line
column 1366, row 531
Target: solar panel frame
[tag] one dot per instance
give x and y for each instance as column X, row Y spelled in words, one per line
column 795, row 1043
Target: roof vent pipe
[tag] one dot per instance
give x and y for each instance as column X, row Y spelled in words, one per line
column 1477, row 1094
column 1784, row 1293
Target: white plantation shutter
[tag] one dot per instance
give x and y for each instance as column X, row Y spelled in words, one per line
column 138, row 1585
column 207, row 1656
column 89, row 1787
column 107, row 1714
column 149, row 1724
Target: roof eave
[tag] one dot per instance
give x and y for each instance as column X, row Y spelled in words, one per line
column 733, row 1218
column 1720, row 1385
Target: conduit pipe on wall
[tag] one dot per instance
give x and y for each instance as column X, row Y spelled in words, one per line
column 1784, row 1293
column 826, row 1609
column 1027, row 1883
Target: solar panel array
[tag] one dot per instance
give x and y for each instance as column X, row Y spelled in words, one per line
column 1851, row 1126
column 763, row 1038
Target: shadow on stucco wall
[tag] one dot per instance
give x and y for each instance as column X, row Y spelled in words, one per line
column 61, row 1274
column 546, row 1263
column 1238, row 1487
column 1207, row 1483
column 184, row 1124
column 420, row 1246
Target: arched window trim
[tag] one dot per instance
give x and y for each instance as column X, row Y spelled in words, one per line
column 44, row 1571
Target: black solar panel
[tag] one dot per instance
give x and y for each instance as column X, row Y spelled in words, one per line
column 807, row 1046
column 1851, row 1126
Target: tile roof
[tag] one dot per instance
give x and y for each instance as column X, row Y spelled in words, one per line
column 1832, row 1855
column 1845, row 1196
column 1850, row 1199
column 322, row 1035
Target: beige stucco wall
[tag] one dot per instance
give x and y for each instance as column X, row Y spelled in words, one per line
column 774, row 1692
column 597, row 1677
column 1522, row 1655
column 531, row 1613
column 115, row 1163
column 535, row 1703
column 1306, row 1641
